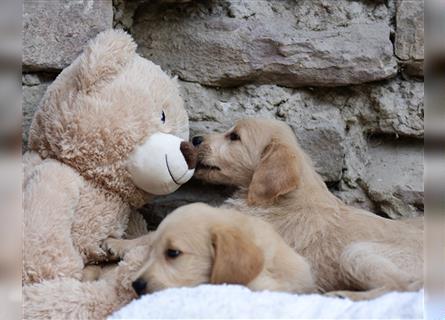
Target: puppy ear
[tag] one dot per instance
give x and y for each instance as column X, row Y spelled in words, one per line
column 237, row 259
column 277, row 174
column 104, row 57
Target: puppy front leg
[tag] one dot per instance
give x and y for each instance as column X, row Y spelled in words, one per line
column 118, row 248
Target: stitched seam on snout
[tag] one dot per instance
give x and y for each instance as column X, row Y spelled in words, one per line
column 183, row 175
column 171, row 175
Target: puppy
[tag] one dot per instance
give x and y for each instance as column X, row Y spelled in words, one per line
column 349, row 249
column 198, row 244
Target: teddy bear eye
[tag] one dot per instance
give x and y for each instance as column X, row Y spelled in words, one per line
column 163, row 117
column 172, row 253
column 234, row 136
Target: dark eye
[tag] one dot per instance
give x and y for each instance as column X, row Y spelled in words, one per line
column 163, row 117
column 172, row 253
column 234, row 136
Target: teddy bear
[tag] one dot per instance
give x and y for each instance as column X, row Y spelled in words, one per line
column 110, row 133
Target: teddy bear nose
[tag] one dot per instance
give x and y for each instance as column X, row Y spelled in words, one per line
column 197, row 140
column 189, row 153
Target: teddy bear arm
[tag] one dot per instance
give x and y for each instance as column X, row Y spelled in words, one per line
column 98, row 216
column 31, row 160
column 137, row 226
column 51, row 194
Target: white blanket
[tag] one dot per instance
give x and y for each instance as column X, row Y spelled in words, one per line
column 231, row 301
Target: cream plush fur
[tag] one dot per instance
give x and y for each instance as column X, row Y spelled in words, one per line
column 91, row 142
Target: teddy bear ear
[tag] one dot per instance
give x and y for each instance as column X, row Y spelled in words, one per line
column 104, row 57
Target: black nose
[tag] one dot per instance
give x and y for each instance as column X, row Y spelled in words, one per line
column 139, row 286
column 197, row 140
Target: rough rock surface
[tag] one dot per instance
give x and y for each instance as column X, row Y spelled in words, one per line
column 55, row 31
column 262, row 42
column 320, row 65
column 34, row 87
column 409, row 42
column 392, row 107
column 394, row 177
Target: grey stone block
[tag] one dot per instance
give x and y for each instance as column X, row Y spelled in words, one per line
column 409, row 42
column 267, row 42
column 55, row 31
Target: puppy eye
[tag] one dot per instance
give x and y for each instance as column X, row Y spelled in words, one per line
column 163, row 117
column 234, row 136
column 172, row 253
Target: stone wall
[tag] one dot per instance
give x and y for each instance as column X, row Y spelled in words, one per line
column 346, row 75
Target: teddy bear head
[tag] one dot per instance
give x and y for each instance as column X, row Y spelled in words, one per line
column 117, row 119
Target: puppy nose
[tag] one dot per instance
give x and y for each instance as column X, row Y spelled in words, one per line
column 197, row 140
column 139, row 286
column 190, row 154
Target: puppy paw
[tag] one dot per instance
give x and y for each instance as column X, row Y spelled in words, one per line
column 114, row 248
column 353, row 295
column 338, row 294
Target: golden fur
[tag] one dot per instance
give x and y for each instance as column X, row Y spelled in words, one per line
column 218, row 246
column 77, row 189
column 350, row 249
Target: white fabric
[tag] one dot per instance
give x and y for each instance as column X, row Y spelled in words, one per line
column 158, row 166
column 230, row 302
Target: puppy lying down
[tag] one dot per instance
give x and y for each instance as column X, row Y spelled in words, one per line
column 198, row 244
column 349, row 249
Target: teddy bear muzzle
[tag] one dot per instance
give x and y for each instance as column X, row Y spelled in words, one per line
column 162, row 163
